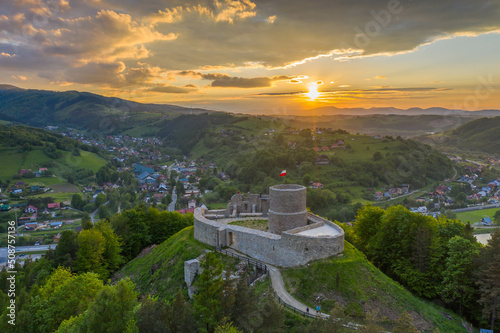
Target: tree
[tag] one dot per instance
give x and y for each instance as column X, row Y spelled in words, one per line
column 489, row 279
column 377, row 156
column 207, row 303
column 112, row 258
column 100, row 200
column 77, row 202
column 497, row 217
column 153, row 316
column 182, row 317
column 65, row 252
column 226, row 327
column 112, row 310
column 273, row 317
column 91, row 247
column 367, row 223
column 458, row 283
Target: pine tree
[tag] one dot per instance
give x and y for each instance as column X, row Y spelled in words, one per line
column 207, row 302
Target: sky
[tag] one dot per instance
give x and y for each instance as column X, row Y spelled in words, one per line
column 259, row 55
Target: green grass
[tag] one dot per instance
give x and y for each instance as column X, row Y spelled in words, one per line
column 161, row 272
column 362, row 287
column 476, row 215
column 261, row 225
column 46, row 181
column 91, row 161
column 58, row 197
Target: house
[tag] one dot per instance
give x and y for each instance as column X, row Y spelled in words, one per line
column 191, row 204
column 486, row 221
column 139, row 169
column 316, row 185
column 31, row 209
column 35, row 188
column 379, row 196
column 405, row 188
column 322, row 160
column 30, row 226
column 56, row 238
column 395, row 191
column 422, row 209
column 56, row 224
column 55, row 205
column 185, row 211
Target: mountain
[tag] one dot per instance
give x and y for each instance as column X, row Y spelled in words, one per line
column 331, row 110
column 80, row 109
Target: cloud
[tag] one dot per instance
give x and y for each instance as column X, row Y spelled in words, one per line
column 380, row 77
column 226, row 81
column 167, row 89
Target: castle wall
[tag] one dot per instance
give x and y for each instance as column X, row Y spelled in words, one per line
column 286, row 250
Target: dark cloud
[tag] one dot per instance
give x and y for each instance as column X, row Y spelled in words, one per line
column 173, row 89
column 226, row 81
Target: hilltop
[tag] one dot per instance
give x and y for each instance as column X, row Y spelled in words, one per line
column 160, row 272
column 480, row 135
column 81, row 110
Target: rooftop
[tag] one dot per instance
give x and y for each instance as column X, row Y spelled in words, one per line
column 323, row 231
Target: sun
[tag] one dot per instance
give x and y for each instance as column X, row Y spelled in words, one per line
column 313, row 90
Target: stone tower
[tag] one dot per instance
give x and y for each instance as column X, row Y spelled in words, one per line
column 287, row 207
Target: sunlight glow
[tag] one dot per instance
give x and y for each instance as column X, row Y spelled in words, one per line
column 313, row 91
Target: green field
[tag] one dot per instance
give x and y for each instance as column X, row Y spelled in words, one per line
column 13, row 160
column 362, row 288
column 476, row 215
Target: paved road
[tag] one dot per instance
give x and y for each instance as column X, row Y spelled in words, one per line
column 171, row 206
column 31, row 248
column 92, row 215
column 469, row 209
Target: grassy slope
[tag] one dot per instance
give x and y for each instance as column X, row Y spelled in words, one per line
column 361, row 282
column 166, row 261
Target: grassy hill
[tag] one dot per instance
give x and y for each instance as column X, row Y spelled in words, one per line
column 362, row 288
column 478, row 136
column 80, row 110
column 160, row 271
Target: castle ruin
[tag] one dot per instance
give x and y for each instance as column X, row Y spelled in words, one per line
column 295, row 236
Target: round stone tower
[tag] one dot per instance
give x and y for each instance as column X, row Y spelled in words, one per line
column 287, row 207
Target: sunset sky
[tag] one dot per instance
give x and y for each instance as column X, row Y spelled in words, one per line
column 259, row 55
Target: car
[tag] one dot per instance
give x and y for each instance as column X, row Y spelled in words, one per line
column 22, row 255
column 37, row 243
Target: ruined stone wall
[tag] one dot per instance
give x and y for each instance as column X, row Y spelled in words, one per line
column 247, row 204
column 286, row 250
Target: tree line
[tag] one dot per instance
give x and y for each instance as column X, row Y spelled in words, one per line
column 433, row 258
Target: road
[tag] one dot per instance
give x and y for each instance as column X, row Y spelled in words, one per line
column 30, row 248
column 92, row 215
column 171, row 206
column 469, row 209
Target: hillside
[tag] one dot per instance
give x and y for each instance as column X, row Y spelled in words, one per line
column 481, row 135
column 391, row 124
column 80, row 109
column 160, row 272
column 362, row 288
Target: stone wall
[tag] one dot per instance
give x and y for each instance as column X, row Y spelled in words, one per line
column 247, row 204
column 286, row 250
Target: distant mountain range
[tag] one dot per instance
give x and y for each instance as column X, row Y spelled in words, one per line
column 331, row 110
column 79, row 109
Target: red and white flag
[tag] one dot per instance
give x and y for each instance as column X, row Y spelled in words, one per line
column 283, row 173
